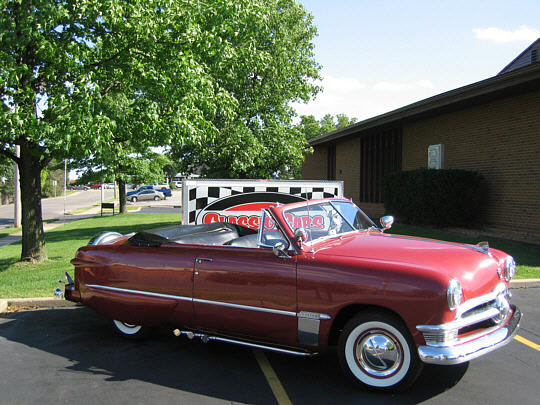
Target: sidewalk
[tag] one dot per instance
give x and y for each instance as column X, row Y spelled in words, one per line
column 47, row 226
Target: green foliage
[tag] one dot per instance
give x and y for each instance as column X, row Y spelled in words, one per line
column 6, row 171
column 437, row 197
column 311, row 128
column 54, row 171
column 107, row 80
column 262, row 57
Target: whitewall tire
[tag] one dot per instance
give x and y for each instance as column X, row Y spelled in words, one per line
column 130, row 331
column 376, row 350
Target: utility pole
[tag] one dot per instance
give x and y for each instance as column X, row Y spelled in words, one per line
column 65, row 187
column 17, row 192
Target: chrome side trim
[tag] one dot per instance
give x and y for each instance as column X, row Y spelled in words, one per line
column 124, row 290
column 313, row 315
column 248, row 307
column 308, row 330
column 302, row 314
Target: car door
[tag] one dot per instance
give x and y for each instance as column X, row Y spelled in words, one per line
column 246, row 292
column 146, row 195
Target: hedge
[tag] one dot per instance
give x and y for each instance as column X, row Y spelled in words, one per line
column 442, row 198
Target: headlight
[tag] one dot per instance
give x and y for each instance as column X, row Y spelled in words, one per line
column 454, row 293
column 509, row 268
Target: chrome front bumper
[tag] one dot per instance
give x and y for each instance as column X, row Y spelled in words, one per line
column 475, row 348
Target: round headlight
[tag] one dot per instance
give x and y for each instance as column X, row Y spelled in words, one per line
column 509, row 268
column 454, row 293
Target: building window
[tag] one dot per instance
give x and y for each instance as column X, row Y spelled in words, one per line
column 380, row 153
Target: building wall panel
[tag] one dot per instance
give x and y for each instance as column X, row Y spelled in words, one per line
column 501, row 140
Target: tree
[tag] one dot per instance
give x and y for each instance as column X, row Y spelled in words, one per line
column 311, row 128
column 264, row 59
column 60, row 58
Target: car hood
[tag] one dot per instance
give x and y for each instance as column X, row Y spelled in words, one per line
column 475, row 269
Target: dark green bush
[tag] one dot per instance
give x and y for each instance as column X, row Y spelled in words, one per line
column 435, row 197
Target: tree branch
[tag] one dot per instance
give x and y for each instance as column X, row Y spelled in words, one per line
column 111, row 86
column 10, row 155
column 112, row 57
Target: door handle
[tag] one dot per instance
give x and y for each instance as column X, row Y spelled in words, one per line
column 199, row 260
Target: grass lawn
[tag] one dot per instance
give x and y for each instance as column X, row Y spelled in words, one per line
column 21, row 280
column 526, row 256
column 8, row 231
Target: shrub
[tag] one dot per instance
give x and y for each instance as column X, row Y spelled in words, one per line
column 437, row 197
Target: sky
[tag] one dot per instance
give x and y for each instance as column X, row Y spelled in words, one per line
column 381, row 55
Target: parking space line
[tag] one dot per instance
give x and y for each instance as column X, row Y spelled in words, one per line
column 527, row 342
column 272, row 378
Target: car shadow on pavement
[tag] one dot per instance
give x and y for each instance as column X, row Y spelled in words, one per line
column 80, row 345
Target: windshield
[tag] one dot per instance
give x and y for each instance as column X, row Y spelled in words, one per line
column 327, row 219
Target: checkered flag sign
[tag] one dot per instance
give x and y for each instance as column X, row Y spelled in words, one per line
column 200, row 196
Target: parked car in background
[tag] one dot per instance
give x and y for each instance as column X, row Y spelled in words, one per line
column 163, row 189
column 315, row 274
column 95, row 186
column 145, row 194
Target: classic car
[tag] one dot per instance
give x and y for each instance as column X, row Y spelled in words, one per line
column 314, row 274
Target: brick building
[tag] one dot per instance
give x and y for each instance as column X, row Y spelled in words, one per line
column 492, row 126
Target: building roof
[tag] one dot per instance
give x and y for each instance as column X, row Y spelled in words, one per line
column 503, row 85
column 528, row 56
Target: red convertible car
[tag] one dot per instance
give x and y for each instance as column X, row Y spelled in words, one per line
column 316, row 273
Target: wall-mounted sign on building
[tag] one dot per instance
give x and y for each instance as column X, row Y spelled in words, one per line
column 436, row 156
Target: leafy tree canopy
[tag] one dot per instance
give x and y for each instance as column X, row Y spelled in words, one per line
column 311, row 128
column 216, row 77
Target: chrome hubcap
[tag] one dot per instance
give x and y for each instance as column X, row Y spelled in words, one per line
column 378, row 353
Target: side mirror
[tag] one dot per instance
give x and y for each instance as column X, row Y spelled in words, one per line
column 300, row 235
column 386, row 222
column 279, row 250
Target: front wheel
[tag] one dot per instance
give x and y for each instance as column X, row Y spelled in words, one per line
column 133, row 199
column 377, row 351
column 130, row 331
column 156, row 198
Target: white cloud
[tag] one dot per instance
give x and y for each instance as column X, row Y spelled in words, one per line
column 362, row 100
column 499, row 35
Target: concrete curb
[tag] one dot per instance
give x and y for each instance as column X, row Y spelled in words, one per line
column 46, row 302
column 525, row 283
column 34, row 302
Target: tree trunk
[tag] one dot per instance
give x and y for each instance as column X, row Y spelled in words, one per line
column 122, row 196
column 33, row 237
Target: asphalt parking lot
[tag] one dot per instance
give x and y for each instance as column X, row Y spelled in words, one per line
column 72, row 354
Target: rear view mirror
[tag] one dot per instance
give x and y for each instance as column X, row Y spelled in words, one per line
column 280, row 251
column 386, row 222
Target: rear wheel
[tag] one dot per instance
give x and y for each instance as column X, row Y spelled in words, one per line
column 133, row 199
column 156, row 198
column 129, row 330
column 377, row 351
